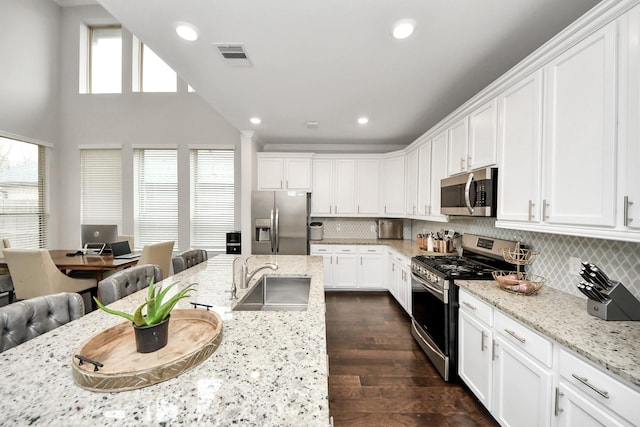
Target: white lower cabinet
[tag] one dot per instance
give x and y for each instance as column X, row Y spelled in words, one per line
column 588, row 396
column 352, row 266
column 522, row 387
column 399, row 278
column 474, row 361
column 525, row 379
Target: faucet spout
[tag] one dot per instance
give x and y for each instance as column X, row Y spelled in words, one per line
column 248, row 276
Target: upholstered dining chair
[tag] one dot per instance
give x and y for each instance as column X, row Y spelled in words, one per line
column 24, row 320
column 125, row 282
column 158, row 254
column 34, row 274
column 6, row 284
column 188, row 259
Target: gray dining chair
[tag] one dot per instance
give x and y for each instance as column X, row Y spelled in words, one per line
column 27, row 319
column 126, row 282
column 188, row 259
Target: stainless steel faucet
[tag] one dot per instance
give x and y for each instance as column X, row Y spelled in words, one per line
column 246, row 275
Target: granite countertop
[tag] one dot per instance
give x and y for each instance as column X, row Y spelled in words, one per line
column 270, row 368
column 564, row 318
column 406, row 247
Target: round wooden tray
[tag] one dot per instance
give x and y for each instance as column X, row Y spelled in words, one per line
column 193, row 336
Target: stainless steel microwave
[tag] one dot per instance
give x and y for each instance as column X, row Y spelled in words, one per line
column 470, row 194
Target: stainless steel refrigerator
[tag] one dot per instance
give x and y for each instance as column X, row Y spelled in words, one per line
column 279, row 222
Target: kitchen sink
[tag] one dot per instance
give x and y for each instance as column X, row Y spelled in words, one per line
column 275, row 292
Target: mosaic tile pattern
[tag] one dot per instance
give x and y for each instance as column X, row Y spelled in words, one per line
column 620, row 260
column 357, row 228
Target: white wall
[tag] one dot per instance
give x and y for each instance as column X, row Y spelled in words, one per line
column 127, row 119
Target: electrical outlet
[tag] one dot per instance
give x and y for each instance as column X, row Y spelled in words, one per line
column 575, row 265
column 373, row 228
column 337, row 226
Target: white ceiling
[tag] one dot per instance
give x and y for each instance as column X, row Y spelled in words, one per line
column 332, row 61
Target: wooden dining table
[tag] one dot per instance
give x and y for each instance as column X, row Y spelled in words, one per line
column 89, row 262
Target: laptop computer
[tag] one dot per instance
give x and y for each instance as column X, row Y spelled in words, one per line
column 121, row 250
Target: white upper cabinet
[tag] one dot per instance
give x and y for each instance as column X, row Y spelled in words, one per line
column 393, row 185
column 580, row 133
column 438, row 172
column 411, row 197
column 323, row 187
column 629, row 196
column 424, row 179
column 457, row 147
column 483, row 136
column 520, row 112
column 346, row 186
column 368, row 186
column 284, row 171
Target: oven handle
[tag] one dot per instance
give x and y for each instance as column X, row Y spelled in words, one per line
column 434, row 291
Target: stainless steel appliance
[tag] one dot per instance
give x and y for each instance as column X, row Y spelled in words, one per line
column 471, row 194
column 434, row 296
column 279, row 222
column 390, row 228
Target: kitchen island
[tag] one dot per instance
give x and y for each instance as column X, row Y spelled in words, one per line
column 270, row 368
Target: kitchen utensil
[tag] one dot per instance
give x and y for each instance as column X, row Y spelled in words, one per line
column 581, row 288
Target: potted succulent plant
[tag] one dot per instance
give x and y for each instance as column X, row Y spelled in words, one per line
column 152, row 328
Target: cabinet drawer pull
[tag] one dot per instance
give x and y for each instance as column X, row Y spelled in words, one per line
column 482, row 346
column 556, row 409
column 586, row 382
column 516, row 336
column 627, row 203
column 531, row 206
column 493, row 350
column 471, row 306
column 545, row 209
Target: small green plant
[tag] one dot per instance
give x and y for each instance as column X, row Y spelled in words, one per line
column 157, row 311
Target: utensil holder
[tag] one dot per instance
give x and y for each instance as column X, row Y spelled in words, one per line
column 621, row 305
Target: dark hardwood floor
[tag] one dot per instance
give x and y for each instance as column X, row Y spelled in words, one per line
column 378, row 376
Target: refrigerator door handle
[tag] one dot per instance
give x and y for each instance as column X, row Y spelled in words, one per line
column 277, row 231
column 271, row 231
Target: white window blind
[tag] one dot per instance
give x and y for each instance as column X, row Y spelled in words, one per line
column 212, row 198
column 101, row 186
column 155, row 181
column 24, row 207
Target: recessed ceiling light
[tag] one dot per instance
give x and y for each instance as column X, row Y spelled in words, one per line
column 255, row 120
column 363, row 120
column 187, row 32
column 312, row 124
column 403, row 28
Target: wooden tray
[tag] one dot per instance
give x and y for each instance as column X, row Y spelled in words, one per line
column 194, row 335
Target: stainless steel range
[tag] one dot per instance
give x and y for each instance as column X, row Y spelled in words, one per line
column 434, row 297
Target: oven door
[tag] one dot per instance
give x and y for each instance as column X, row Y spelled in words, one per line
column 429, row 307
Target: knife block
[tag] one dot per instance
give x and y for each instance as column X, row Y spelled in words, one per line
column 622, row 305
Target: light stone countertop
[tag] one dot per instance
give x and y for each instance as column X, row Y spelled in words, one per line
column 613, row 345
column 269, row 370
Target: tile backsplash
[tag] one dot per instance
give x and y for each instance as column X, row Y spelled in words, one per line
column 620, row 260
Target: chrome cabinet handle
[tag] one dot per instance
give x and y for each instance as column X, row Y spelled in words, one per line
column 625, row 207
column 531, row 206
column 516, row 336
column 586, row 382
column 469, row 162
column 545, row 207
column 471, row 306
column 280, row 183
column 482, row 346
column 461, row 163
column 556, row 408
column 493, row 350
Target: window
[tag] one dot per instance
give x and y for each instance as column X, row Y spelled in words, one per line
column 24, row 209
column 101, row 186
column 212, row 197
column 152, row 73
column 155, row 194
column 105, row 60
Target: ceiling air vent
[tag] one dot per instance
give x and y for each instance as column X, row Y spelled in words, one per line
column 233, row 53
